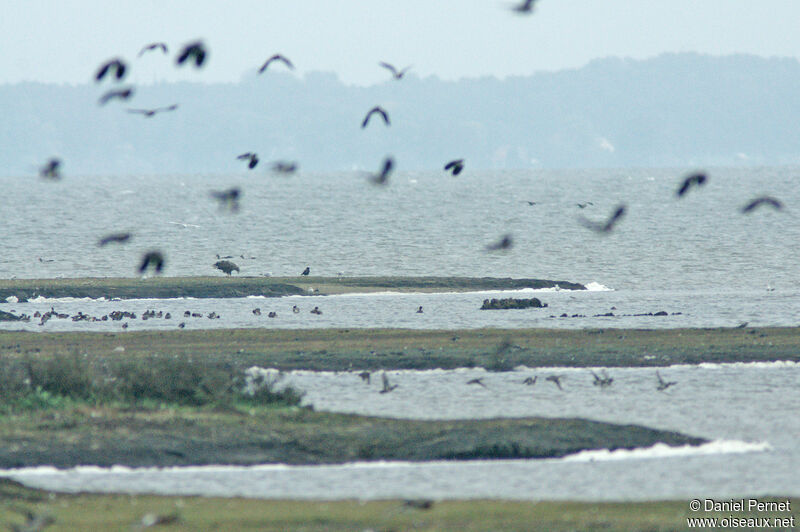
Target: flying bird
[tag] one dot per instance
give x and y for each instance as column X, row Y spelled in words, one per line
column 603, row 381
column 51, row 170
column 608, row 225
column 154, row 259
column 386, row 386
column 396, row 74
column 153, row 46
column 284, row 167
column 505, row 243
column 228, row 199
column 196, row 51
column 584, row 205
column 119, row 238
column 122, row 94
column 251, row 157
column 694, row 180
column 525, row 7
column 116, row 65
column 382, row 177
column 276, row 57
column 455, row 166
column 477, row 381
column 662, row 384
column 758, row 202
column 226, row 266
column 380, row 111
column 148, row 113
column 555, row 379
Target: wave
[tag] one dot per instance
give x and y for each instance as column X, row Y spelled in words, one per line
column 662, row 450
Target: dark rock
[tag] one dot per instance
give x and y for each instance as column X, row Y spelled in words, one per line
column 660, row 313
column 511, row 303
column 7, row 316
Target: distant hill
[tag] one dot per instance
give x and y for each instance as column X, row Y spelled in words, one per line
column 673, row 110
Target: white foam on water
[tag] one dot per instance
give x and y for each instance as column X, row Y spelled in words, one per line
column 662, row 450
column 597, row 287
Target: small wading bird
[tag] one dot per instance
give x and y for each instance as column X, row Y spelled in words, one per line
column 662, row 384
column 154, row 259
column 153, row 46
column 455, row 166
column 226, row 266
column 284, row 167
column 195, row 50
column 505, row 243
column 603, row 381
column 396, row 74
column 228, row 199
column 119, row 238
column 276, row 57
column 694, row 180
column 252, row 159
column 555, row 379
column 525, row 7
column 116, row 65
column 608, row 225
column 148, row 113
column 379, row 110
column 386, row 386
column 758, row 202
column 477, row 381
column 122, row 94
column 51, row 170
column 382, row 177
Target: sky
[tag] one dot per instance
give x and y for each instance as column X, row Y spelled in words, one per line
column 65, row 42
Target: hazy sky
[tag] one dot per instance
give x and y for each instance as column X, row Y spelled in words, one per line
column 65, row 41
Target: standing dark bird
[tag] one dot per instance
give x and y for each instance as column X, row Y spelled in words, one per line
column 284, row 167
column 226, row 266
column 154, row 259
column 51, row 170
column 603, row 381
column 116, row 65
column 380, row 111
column 382, row 177
column 695, row 180
column 505, row 243
column 148, row 113
column 122, row 94
column 251, row 157
column 306, row 271
column 662, row 384
column 525, row 7
column 765, row 200
column 228, row 199
column 120, row 238
column 276, row 57
column 455, row 166
column 555, row 379
column 195, row 50
column 396, row 74
column 386, row 386
column 153, row 46
column 419, row 310
column 608, row 225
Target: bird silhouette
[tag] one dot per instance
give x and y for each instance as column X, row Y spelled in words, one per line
column 153, row 46
column 525, row 7
column 228, row 199
column 251, row 157
column 122, row 94
column 226, row 266
column 758, row 202
column 584, row 205
column 694, row 180
column 306, row 271
column 148, row 113
column 396, row 74
column 608, row 225
column 478, row 381
column 379, row 110
column 603, row 381
column 506, row 242
column 455, row 166
column 382, row 177
column 154, row 259
column 116, row 64
column 119, row 238
column 530, row 381
column 387, row 387
column 276, row 57
column 52, row 169
column 284, row 167
column 365, row 376
column 555, row 379
column 196, row 51
column 662, row 384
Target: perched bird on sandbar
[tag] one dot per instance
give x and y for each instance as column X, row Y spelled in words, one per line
column 153, row 46
column 386, row 386
column 251, row 157
column 116, row 64
column 608, row 225
column 154, row 259
column 149, row 113
column 122, row 94
column 662, row 384
column 119, row 238
column 228, row 199
column 504, row 243
column 396, row 74
column 694, row 180
column 276, row 57
column 382, row 177
column 478, row 381
column 194, row 50
column 555, row 379
column 316, row 311
column 51, row 170
column 525, row 7
column 455, row 166
column 226, row 266
column 764, row 200
column 530, row 381
column 603, row 381
column 379, row 110
column 306, row 271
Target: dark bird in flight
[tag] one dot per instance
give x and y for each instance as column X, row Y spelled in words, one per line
column 529, row 202
column 603, row 381
column 116, row 65
column 154, row 259
column 455, row 166
column 365, row 376
column 153, row 46
column 306, row 271
column 120, row 238
column 251, row 157
column 758, row 202
column 226, row 266
column 396, row 74
column 195, row 50
column 662, row 384
column 555, row 379
column 148, row 113
column 608, row 225
column 228, row 199
column 122, row 94
column 477, row 381
column 505, row 243
column 584, row 205
column 380, row 111
column 382, row 177
column 51, row 170
column 530, row 381
column 284, row 167
column 694, row 180
column 525, row 7
column 386, row 386
column 276, row 57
